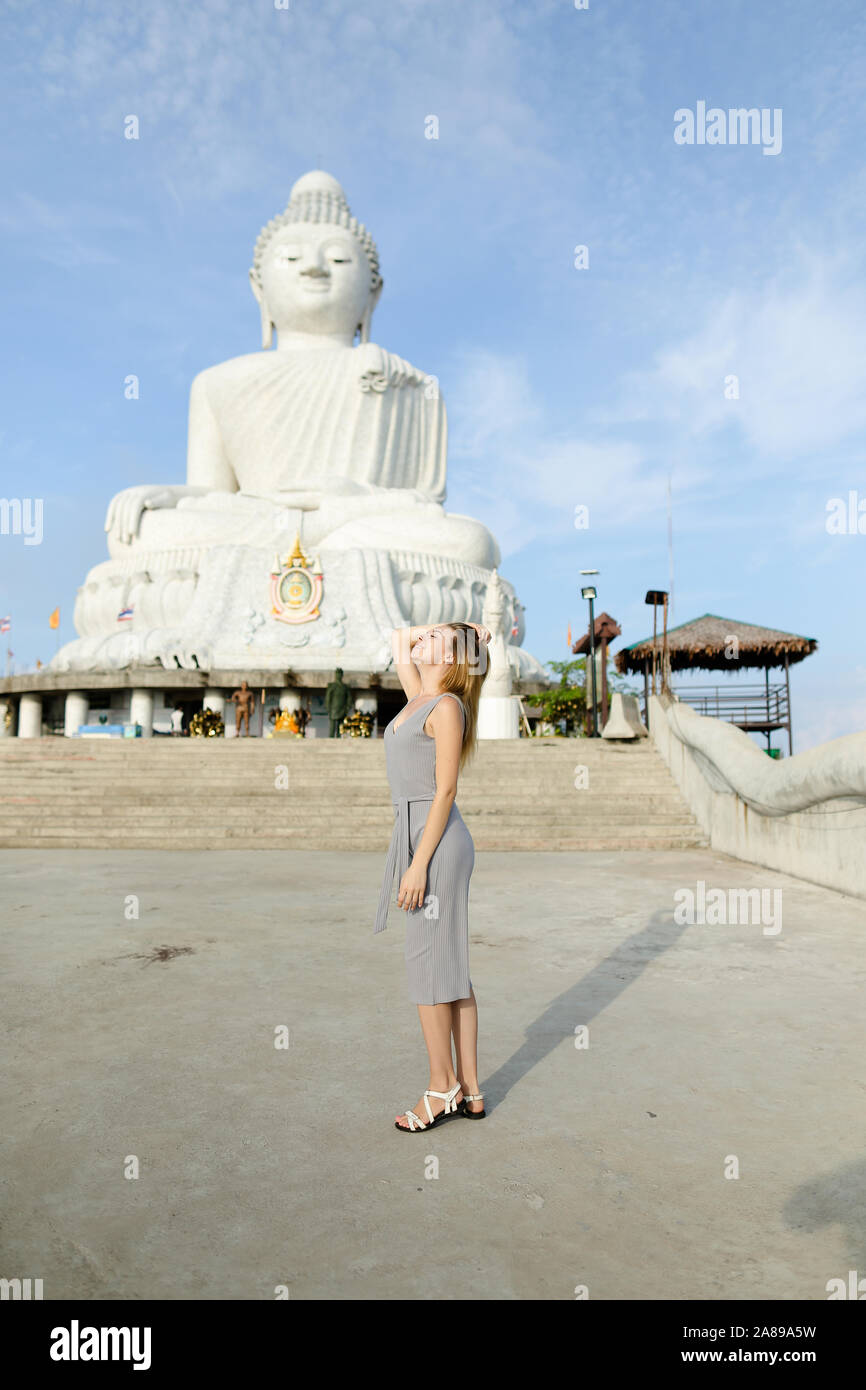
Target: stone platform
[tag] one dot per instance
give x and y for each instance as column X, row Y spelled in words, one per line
column 601, row 1167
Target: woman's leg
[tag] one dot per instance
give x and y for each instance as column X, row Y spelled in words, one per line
column 464, row 1026
column 436, row 1027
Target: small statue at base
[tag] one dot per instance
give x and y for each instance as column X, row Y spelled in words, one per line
column 289, row 723
column 206, row 723
column 358, row 724
column 244, row 702
column 338, row 698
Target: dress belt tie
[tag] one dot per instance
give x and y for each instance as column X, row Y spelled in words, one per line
column 398, row 856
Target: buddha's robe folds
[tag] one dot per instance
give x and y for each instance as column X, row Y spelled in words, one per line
column 272, row 421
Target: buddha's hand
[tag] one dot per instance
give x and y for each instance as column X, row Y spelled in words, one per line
column 301, row 499
column 124, row 510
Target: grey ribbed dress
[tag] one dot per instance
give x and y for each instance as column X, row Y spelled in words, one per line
column 437, row 933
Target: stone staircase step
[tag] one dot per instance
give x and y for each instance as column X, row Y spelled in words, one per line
column 575, row 803
column 224, row 831
column 218, row 794
column 503, row 844
column 587, row 812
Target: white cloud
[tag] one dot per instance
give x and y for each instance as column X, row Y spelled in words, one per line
column 818, row 719
column 493, row 398
column 524, row 478
column 64, row 234
column 222, row 91
column 797, row 349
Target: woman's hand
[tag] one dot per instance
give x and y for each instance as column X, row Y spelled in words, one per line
column 412, row 887
column 484, row 633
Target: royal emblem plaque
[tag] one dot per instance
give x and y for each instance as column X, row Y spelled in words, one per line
column 296, row 588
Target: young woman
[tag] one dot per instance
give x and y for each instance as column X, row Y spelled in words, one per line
column 441, row 670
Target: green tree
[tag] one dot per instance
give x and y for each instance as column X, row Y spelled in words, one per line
column 567, row 700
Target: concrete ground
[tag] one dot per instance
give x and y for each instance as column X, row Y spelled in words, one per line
column 601, row 1166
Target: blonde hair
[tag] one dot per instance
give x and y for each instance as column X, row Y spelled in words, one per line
column 464, row 678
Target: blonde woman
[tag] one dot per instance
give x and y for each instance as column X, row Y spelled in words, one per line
column 442, row 670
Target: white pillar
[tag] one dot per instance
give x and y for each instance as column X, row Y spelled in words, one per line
column 498, row 717
column 214, row 700
column 141, row 711
column 75, row 713
column 7, row 706
column 30, row 716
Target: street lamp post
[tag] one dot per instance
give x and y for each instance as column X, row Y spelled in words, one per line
column 658, row 597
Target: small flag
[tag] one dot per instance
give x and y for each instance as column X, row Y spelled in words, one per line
column 54, row 620
column 514, row 630
column 5, row 624
column 125, row 615
column 568, row 638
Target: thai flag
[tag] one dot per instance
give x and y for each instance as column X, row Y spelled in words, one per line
column 125, row 615
column 5, row 624
column 514, row 630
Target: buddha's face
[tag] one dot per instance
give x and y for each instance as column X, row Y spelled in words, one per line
column 315, row 279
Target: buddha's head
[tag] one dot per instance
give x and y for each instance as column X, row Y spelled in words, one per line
column 315, row 267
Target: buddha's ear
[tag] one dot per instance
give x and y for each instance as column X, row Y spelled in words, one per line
column 267, row 325
column 364, row 325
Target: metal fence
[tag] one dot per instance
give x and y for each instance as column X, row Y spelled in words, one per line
column 753, row 708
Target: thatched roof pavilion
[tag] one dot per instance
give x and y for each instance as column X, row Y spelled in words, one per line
column 701, row 646
column 705, row 645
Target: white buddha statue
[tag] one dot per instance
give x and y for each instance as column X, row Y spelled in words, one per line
column 343, row 431
column 325, row 441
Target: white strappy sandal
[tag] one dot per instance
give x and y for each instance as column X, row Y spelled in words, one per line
column 472, row 1114
column 413, row 1121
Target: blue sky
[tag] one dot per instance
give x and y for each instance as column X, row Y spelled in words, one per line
column 564, row 386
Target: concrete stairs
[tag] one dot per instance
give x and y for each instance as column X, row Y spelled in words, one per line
column 327, row 794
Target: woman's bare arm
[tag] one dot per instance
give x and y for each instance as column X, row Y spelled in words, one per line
column 403, row 640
